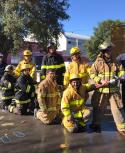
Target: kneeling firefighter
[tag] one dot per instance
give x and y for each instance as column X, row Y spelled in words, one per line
column 25, row 92
column 76, row 114
column 7, row 86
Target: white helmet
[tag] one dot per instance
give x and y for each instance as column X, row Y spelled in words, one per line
column 105, row 45
column 9, row 68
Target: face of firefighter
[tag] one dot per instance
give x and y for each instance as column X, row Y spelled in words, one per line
column 11, row 72
column 76, row 57
column 26, row 71
column 27, row 58
column 108, row 54
column 51, row 75
column 75, row 83
column 52, row 50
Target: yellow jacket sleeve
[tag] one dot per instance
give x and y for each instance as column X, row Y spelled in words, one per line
column 65, row 107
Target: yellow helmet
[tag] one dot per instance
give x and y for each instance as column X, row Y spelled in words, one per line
column 105, row 45
column 25, row 66
column 74, row 76
column 74, row 50
column 27, row 52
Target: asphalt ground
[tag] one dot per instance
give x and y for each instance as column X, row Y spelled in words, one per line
column 25, row 134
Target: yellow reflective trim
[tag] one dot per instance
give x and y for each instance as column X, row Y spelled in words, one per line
column 64, row 105
column 4, row 88
column 22, row 102
column 82, row 123
column 78, row 115
column 121, row 126
column 28, row 89
column 88, row 86
column 11, row 108
column 42, row 107
column 95, row 78
column 52, row 95
column 77, row 102
column 43, row 77
column 6, row 98
column 107, row 90
column 52, row 109
column 83, row 75
column 92, row 76
column 121, row 73
column 52, row 66
column 66, row 112
column 41, row 96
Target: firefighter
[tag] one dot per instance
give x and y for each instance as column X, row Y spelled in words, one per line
column 49, row 100
column 103, row 70
column 76, row 114
column 77, row 66
column 54, row 61
column 2, row 65
column 122, row 61
column 25, row 92
column 7, row 86
column 27, row 60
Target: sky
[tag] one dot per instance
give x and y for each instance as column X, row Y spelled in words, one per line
column 87, row 14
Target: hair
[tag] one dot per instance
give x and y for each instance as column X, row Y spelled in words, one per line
column 50, row 70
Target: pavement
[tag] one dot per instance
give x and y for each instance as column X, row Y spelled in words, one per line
column 25, row 134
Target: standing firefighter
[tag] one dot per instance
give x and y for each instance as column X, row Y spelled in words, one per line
column 77, row 66
column 53, row 61
column 49, row 99
column 103, row 71
column 25, row 92
column 27, row 60
column 76, row 114
column 121, row 59
column 7, row 86
column 2, row 65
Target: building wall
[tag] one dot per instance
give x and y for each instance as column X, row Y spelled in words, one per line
column 67, row 41
column 62, row 43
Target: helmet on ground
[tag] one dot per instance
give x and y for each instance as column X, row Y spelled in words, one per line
column 1, row 55
column 9, row 68
column 25, row 66
column 51, row 45
column 27, row 52
column 74, row 76
column 105, row 45
column 74, row 50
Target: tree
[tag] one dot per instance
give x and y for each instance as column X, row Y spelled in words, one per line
column 101, row 33
column 39, row 17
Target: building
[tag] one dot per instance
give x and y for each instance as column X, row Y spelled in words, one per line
column 66, row 42
column 69, row 40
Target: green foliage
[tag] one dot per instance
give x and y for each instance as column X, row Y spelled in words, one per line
column 39, row 17
column 101, row 33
